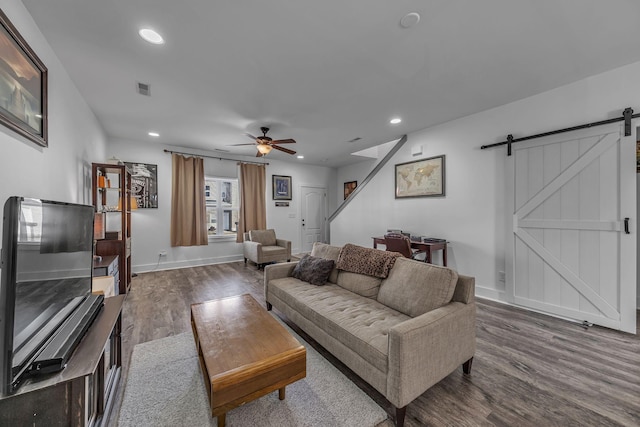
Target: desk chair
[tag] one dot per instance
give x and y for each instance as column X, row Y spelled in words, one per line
column 400, row 243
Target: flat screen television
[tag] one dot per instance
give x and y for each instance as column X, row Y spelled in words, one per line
column 46, row 304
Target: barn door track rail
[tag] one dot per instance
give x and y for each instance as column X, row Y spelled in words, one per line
column 627, row 115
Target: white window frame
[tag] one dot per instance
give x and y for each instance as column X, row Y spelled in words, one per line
column 220, row 208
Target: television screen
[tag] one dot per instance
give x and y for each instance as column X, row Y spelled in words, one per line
column 47, row 267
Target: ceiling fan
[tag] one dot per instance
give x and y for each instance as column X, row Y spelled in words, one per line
column 265, row 144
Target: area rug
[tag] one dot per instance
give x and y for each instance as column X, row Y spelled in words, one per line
column 165, row 388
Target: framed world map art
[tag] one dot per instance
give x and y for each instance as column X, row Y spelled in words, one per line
column 420, row 178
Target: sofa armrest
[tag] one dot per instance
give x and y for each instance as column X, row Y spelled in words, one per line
column 285, row 244
column 252, row 250
column 277, row 271
column 425, row 349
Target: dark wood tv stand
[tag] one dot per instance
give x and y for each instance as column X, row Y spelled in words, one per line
column 81, row 394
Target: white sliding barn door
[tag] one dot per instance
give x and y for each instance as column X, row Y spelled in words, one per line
column 569, row 254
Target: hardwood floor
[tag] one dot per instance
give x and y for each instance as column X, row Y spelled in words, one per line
column 529, row 369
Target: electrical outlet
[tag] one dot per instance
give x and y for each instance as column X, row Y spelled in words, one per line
column 162, row 253
column 501, row 276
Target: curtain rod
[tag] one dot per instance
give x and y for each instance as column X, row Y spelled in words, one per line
column 627, row 115
column 214, row 157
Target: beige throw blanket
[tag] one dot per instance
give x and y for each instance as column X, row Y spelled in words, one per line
column 372, row 262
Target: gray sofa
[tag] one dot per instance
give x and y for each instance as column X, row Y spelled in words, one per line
column 402, row 333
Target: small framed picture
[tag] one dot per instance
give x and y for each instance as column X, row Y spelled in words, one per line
column 281, row 187
column 349, row 187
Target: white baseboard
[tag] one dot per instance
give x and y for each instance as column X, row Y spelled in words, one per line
column 492, row 294
column 145, row 268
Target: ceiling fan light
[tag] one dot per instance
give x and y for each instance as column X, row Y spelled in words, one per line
column 264, row 149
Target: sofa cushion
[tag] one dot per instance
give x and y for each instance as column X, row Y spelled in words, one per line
column 322, row 250
column 264, row 237
column 372, row 262
column 359, row 323
column 361, row 284
column 415, row 287
column 313, row 270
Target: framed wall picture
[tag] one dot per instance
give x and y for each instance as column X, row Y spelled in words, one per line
column 144, row 184
column 23, row 86
column 281, row 187
column 349, row 187
column 420, row 178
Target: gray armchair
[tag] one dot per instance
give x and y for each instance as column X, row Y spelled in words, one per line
column 262, row 247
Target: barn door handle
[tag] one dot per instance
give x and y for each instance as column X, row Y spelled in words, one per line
column 626, row 226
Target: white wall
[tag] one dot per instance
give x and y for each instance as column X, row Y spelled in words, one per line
column 472, row 215
column 151, row 227
column 356, row 172
column 360, row 170
column 286, row 220
column 63, row 170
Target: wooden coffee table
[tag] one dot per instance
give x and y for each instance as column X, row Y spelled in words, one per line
column 244, row 352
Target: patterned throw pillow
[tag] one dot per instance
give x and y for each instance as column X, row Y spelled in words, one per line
column 313, row 270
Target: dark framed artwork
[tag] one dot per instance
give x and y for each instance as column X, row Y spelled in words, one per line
column 23, row 86
column 281, row 187
column 144, row 184
column 420, row 178
column 349, row 187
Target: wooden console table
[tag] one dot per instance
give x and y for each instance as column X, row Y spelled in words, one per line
column 428, row 248
column 81, row 394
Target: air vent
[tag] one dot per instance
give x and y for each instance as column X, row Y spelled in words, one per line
column 144, row 89
column 355, row 139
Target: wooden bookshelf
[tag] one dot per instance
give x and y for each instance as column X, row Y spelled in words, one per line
column 111, row 196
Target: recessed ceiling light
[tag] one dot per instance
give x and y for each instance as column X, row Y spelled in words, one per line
column 301, row 157
column 151, row 36
column 395, row 120
column 409, row 20
column 154, row 134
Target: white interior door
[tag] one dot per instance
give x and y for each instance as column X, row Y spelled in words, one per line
column 312, row 215
column 570, row 253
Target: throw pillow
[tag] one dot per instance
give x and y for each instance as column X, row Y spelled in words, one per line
column 415, row 287
column 361, row 284
column 313, row 270
column 322, row 250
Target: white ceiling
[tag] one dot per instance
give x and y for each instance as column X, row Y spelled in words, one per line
column 323, row 72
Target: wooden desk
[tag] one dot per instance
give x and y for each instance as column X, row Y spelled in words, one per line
column 428, row 248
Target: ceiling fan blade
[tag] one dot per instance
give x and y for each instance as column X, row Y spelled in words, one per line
column 250, row 136
column 286, row 150
column 284, row 141
column 258, row 154
column 237, row 145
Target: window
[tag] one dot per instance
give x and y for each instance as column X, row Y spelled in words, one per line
column 222, row 201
